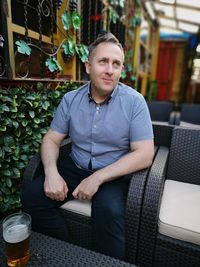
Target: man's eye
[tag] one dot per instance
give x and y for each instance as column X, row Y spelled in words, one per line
column 116, row 65
column 102, row 61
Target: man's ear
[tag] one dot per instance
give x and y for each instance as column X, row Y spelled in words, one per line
column 87, row 67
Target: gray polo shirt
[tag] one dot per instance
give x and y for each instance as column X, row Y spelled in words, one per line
column 102, row 133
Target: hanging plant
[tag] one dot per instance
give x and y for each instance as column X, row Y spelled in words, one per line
column 76, row 20
column 82, row 51
column 66, row 20
column 136, row 19
column 123, row 74
column 52, row 64
column 23, row 48
column 70, row 19
column 71, row 46
column 69, row 49
column 113, row 16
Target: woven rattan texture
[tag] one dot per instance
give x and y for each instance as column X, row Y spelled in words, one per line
column 80, row 227
column 184, row 165
column 150, row 209
column 184, row 160
column 133, row 213
column 49, row 252
column 174, row 253
column 162, row 134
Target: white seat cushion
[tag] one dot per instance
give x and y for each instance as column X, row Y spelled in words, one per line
column 180, row 211
column 82, row 207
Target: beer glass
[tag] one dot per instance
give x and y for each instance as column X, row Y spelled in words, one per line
column 16, row 235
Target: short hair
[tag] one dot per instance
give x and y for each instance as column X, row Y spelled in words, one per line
column 104, row 37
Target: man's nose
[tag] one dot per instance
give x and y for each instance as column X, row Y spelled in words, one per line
column 109, row 68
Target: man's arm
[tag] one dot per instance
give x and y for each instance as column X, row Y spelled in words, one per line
column 54, row 185
column 140, row 157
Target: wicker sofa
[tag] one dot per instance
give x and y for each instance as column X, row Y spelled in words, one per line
column 78, row 218
column 170, row 221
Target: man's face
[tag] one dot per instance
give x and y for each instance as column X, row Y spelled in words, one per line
column 105, row 67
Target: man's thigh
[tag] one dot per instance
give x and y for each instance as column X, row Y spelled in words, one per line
column 111, row 196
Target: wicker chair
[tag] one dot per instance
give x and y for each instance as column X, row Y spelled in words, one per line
column 80, row 225
column 179, row 245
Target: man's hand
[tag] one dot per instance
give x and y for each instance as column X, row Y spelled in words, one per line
column 87, row 188
column 55, row 187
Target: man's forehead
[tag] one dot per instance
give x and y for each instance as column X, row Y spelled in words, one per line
column 102, row 51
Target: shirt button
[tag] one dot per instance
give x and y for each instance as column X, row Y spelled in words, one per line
column 93, row 158
column 95, row 126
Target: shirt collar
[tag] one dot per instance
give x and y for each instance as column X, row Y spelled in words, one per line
column 106, row 101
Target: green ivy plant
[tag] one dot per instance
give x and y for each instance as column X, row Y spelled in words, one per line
column 69, row 20
column 25, row 115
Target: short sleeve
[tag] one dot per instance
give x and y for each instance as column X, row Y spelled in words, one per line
column 60, row 122
column 141, row 125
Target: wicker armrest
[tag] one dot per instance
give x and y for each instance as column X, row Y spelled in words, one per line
column 162, row 134
column 133, row 211
column 150, row 209
column 33, row 169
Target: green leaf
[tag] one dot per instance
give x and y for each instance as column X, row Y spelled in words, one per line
column 82, row 51
column 36, row 120
column 23, row 48
column 45, row 105
column 53, row 64
column 31, row 113
column 24, row 123
column 71, row 46
column 7, row 149
column 129, row 67
column 15, row 124
column 66, row 20
column 3, row 108
column 6, row 191
column 76, row 20
column 66, row 49
column 113, row 16
column 6, row 172
column 16, row 172
column 8, row 141
column 133, row 78
column 123, row 75
column 8, row 182
column 21, row 165
column 3, row 128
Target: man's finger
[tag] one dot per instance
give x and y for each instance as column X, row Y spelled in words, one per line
column 75, row 193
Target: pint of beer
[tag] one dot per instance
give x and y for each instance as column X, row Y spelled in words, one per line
column 16, row 234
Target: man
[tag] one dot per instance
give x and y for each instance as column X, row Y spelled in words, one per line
column 111, row 134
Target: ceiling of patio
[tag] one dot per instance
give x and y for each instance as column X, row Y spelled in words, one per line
column 175, row 16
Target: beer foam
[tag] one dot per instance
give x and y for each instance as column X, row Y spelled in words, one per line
column 16, row 233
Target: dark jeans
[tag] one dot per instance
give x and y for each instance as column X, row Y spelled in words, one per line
column 108, row 209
